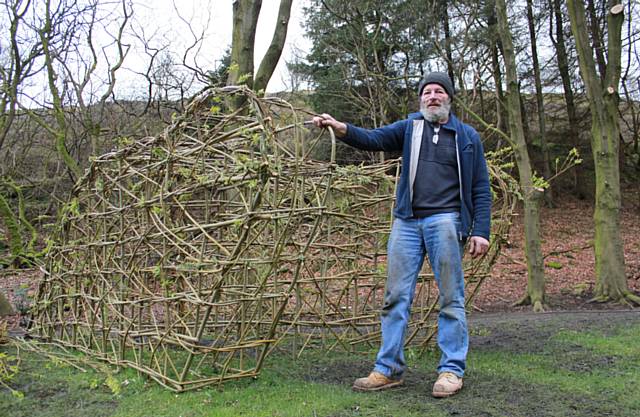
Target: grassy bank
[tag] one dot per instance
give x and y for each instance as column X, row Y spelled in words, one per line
column 566, row 370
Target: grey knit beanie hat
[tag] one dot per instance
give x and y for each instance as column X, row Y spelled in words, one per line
column 437, row 78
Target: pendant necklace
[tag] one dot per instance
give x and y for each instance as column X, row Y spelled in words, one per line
column 436, row 130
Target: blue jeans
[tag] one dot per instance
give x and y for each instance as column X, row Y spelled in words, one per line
column 438, row 237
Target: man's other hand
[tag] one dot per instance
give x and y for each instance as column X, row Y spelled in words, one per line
column 478, row 246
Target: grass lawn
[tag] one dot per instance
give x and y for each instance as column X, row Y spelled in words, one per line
column 573, row 372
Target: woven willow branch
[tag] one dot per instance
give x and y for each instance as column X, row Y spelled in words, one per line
column 191, row 255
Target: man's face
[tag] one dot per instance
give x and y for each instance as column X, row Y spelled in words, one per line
column 435, row 103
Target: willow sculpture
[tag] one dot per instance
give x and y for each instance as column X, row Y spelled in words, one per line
column 191, row 255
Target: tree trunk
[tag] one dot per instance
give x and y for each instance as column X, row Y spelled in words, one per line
column 444, row 11
column 531, row 194
column 21, row 251
column 563, row 68
column 15, row 69
column 245, row 20
column 596, row 37
column 58, row 109
column 546, row 168
column 523, row 113
column 611, row 281
column 271, row 58
column 497, row 74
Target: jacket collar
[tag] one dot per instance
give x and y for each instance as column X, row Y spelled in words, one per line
column 453, row 124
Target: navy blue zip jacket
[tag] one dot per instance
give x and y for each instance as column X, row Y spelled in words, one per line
column 475, row 193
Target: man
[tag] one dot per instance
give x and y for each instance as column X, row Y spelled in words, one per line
column 443, row 199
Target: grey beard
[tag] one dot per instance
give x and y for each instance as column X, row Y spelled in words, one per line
column 433, row 116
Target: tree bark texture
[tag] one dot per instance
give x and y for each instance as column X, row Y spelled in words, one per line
column 530, row 194
column 245, row 21
column 611, row 282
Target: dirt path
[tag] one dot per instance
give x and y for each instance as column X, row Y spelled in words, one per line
column 527, row 332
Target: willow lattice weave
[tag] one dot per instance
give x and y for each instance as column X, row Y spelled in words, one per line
column 190, row 255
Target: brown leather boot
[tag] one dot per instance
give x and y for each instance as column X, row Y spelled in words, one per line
column 447, row 385
column 375, row 382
